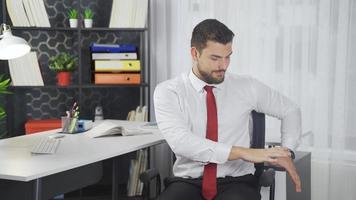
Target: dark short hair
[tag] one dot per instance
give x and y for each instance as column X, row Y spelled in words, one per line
column 210, row 29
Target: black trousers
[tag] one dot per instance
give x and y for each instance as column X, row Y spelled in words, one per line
column 228, row 188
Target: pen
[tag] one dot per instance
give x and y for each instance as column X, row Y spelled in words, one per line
column 76, row 114
column 73, row 108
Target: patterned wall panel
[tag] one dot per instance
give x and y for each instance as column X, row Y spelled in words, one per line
column 47, row 103
column 51, row 43
column 101, row 10
column 42, row 103
column 58, row 11
column 116, row 102
column 37, row 103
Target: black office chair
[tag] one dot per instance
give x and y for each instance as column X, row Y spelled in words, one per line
column 265, row 173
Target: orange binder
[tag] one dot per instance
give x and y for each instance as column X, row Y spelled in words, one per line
column 33, row 126
column 112, row 78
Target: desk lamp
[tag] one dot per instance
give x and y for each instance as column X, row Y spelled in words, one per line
column 11, row 46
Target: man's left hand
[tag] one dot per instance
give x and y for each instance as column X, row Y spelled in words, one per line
column 288, row 165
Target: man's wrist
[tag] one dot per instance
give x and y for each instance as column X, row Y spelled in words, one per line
column 235, row 153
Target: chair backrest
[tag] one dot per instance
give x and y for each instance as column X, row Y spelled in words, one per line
column 258, row 136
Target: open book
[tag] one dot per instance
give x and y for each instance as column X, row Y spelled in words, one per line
column 107, row 128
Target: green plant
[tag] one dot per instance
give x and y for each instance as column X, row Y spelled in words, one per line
column 73, row 14
column 62, row 63
column 88, row 14
column 4, row 83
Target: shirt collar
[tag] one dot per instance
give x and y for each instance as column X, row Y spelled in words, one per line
column 198, row 84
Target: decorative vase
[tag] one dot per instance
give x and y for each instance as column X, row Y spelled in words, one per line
column 88, row 23
column 63, row 78
column 73, row 23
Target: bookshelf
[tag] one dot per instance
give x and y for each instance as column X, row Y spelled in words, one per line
column 50, row 100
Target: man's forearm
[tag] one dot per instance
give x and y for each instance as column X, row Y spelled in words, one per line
column 235, row 153
column 258, row 155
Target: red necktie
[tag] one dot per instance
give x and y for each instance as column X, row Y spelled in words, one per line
column 209, row 177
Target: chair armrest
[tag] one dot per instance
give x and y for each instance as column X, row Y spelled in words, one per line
column 149, row 174
column 146, row 177
column 273, row 144
column 267, row 177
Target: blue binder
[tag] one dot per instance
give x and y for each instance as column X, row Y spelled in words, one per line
column 112, row 48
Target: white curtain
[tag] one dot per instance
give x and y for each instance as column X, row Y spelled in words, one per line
column 306, row 49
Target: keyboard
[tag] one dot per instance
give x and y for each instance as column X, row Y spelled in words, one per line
column 46, row 145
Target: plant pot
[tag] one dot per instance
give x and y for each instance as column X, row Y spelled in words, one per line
column 63, row 78
column 88, row 23
column 73, row 23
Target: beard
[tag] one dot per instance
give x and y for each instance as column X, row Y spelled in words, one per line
column 208, row 78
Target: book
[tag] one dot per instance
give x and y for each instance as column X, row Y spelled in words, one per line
column 129, row 14
column 17, row 13
column 35, row 12
column 117, row 65
column 114, row 56
column 137, row 166
column 143, row 167
column 29, row 12
column 131, row 185
column 25, row 71
column 42, row 13
column 112, row 48
column 140, row 18
column 107, row 128
column 118, row 78
column 121, row 14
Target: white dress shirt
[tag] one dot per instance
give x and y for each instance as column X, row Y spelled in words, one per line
column 180, row 108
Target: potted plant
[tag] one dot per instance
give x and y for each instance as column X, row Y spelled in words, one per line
column 88, row 18
column 63, row 64
column 73, row 18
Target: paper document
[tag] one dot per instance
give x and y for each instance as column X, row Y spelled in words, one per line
column 107, row 128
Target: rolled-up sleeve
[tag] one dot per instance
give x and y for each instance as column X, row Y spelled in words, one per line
column 172, row 122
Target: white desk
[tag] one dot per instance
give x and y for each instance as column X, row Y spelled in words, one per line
column 78, row 150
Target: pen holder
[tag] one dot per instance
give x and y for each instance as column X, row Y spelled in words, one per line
column 69, row 124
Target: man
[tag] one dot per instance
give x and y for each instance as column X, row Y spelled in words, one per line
column 204, row 117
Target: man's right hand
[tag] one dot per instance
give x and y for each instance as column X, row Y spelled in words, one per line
column 258, row 155
column 288, row 165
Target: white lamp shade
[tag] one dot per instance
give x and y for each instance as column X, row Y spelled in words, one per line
column 12, row 47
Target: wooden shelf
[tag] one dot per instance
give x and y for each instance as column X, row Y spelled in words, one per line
column 80, row 86
column 44, row 28
column 78, row 29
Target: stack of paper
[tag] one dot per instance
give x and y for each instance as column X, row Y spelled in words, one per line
column 17, row 13
column 28, row 13
column 25, row 71
column 129, row 14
